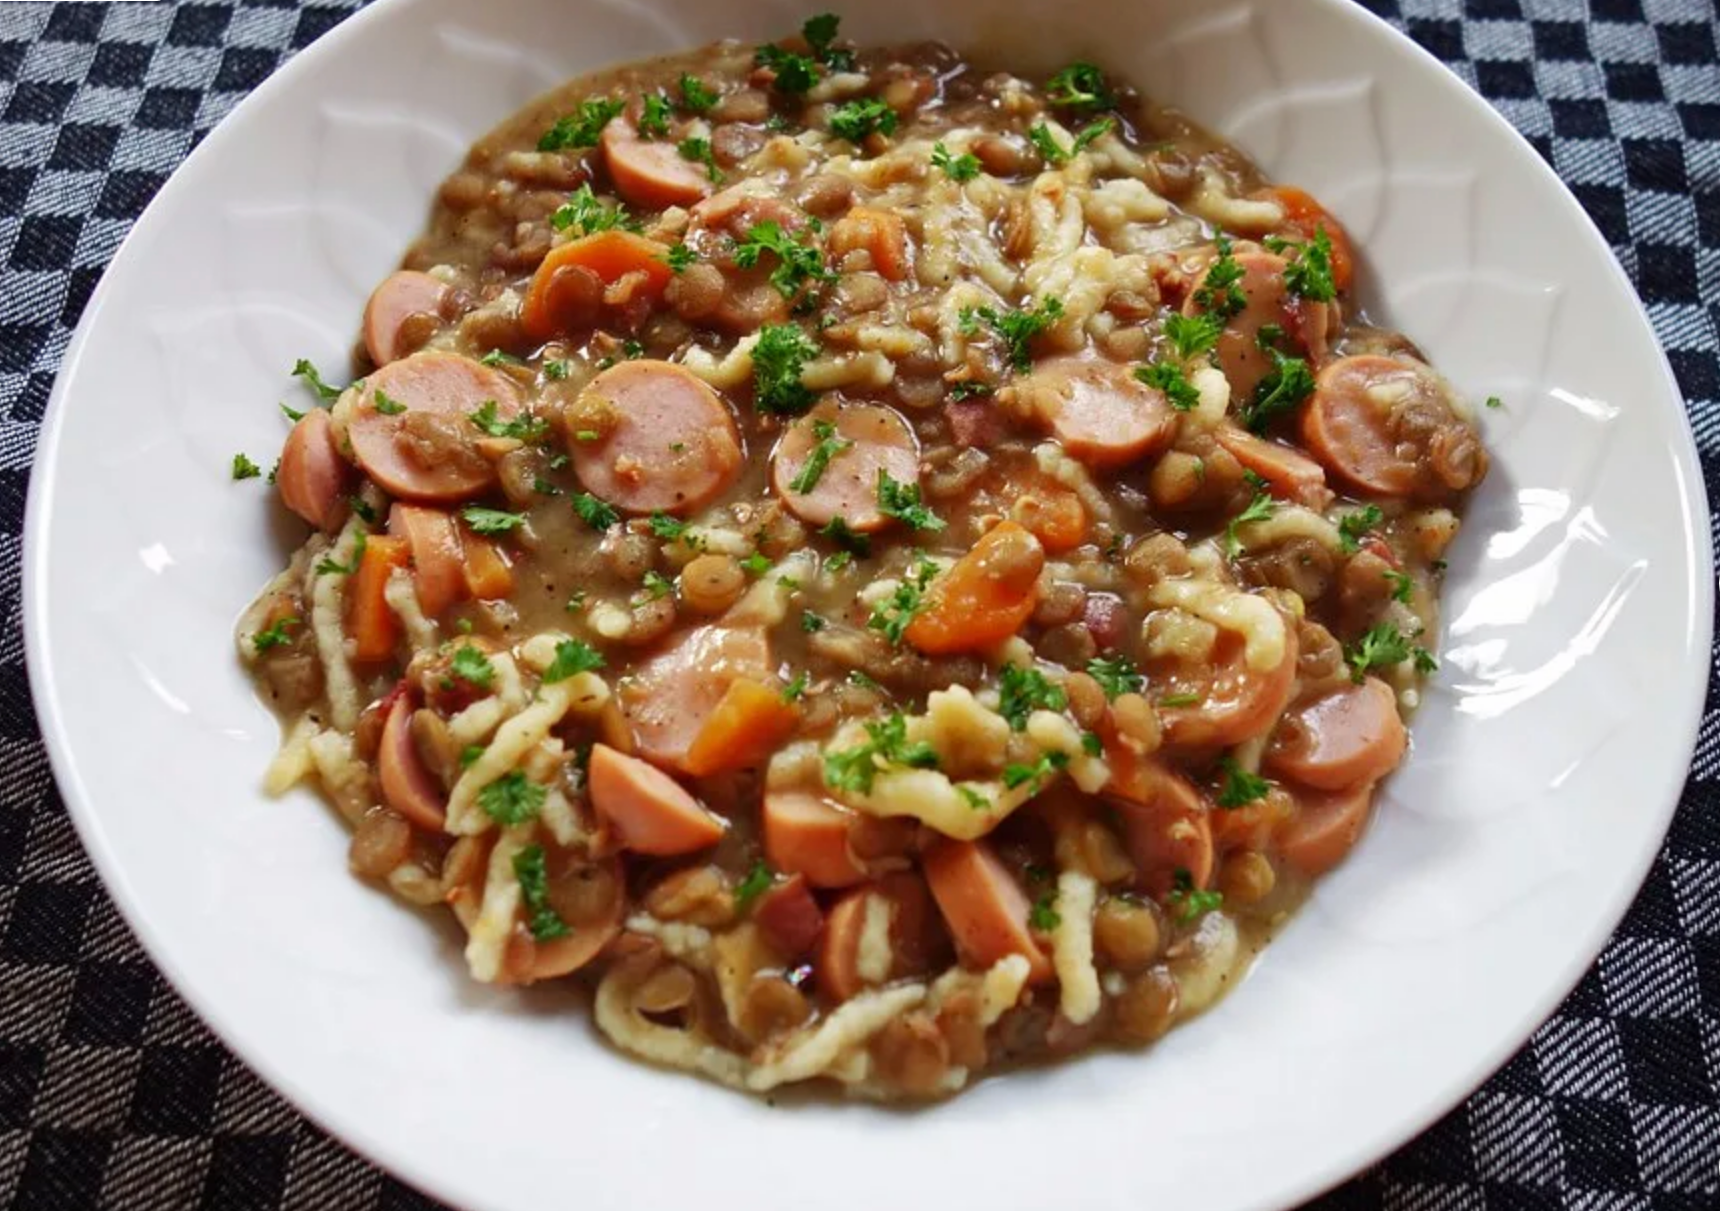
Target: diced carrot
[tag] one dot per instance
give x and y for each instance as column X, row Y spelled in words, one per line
column 374, row 628
column 488, row 573
column 751, row 719
column 880, row 232
column 1052, row 513
column 985, row 597
column 607, row 254
column 1306, row 216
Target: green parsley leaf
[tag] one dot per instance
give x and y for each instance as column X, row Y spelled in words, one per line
column 302, row 369
column 584, row 213
column 887, row 744
column 292, row 414
column 470, row 665
column 1382, row 646
column 1240, row 787
column 1401, row 582
column 973, row 798
column 1270, row 336
column 968, row 388
column 470, row 754
column 820, row 32
column 679, row 257
column 902, row 501
column 964, row 167
column 386, row 405
column 855, row 120
column 669, row 529
column 532, row 872
column 778, row 358
column 828, row 447
column 1016, row 327
column 758, row 563
column 363, row 509
column 491, row 521
column 497, row 357
column 1016, row 775
column 1092, row 745
column 1169, row 378
column 593, row 512
column 699, row 151
column 576, row 603
column 1259, row 509
column 857, row 678
column 244, row 468
column 892, row 615
column 795, row 690
column 1309, row 271
column 695, row 96
column 525, row 427
column 1080, row 86
column 1054, row 153
column 1493, row 401
column 1044, row 916
column 850, row 540
column 1116, row 675
column 810, row 622
column 1424, row 661
column 1220, row 292
column 1351, row 527
column 582, row 127
column 1288, row 383
column 656, row 586
column 793, row 73
column 327, row 564
column 1021, row 691
column 275, row 636
column 797, row 262
column 555, row 370
column 1189, row 902
column 756, row 883
column 572, row 656
column 1190, row 335
column 654, row 116
column 1176, row 700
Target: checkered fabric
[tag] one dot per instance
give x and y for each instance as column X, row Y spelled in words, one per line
column 112, row 1095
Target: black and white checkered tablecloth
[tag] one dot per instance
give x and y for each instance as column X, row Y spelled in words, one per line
column 112, row 1095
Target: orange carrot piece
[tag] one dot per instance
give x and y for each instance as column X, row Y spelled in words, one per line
column 608, row 255
column 880, row 232
column 985, row 598
column 374, row 628
column 1306, row 216
column 749, row 721
column 489, row 576
column 1052, row 513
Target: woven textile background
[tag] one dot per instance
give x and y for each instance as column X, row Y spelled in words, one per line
column 112, row 1095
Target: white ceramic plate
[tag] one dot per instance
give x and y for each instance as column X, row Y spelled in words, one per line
column 1547, row 758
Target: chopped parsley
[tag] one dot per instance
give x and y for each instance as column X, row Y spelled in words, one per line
column 845, row 536
column 540, row 484
column 1080, row 86
column 902, row 501
column 470, row 754
column 696, row 98
column 292, row 414
column 1169, row 378
column 1221, row 293
column 630, row 351
column 1493, row 401
column 669, row 529
column 593, row 512
column 795, row 690
column 387, row 405
column 1401, row 584
column 756, row 883
column 555, row 369
column 1172, row 701
column 532, row 872
column 1116, row 676
column 498, row 357
column 887, row 744
column 1044, row 916
column 524, row 427
column 968, row 388
column 1240, row 787
column 1424, row 661
column 797, row 263
column 964, row 167
column 820, row 32
column 1016, row 327
column 1041, row 137
column 584, row 213
column 656, row 585
column 828, row 447
column 1288, row 383
column 244, row 468
column 679, row 257
column 576, row 603
column 1189, row 901
column 1092, row 745
column 274, row 636
column 654, row 116
column 491, row 521
column 893, row 615
column 855, row 120
column 1382, row 646
column 857, row 678
column 1259, row 509
column 582, row 127
column 973, row 798
column 1021, row 691
column 794, row 73
column 1017, row 775
column 758, row 563
column 302, row 369
column 699, row 151
column 1353, row 525
column 327, row 565
column 470, row 665
column 779, row 356
column 1190, row 335
column 572, row 656
column 1309, row 272
column 810, row 622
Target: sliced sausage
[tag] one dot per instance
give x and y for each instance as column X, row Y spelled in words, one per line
column 789, row 917
column 651, row 173
column 1325, row 828
column 591, row 900
column 670, row 697
column 408, row 786
column 1342, row 739
column 917, row 944
column 404, row 295
column 1386, row 426
column 313, row 478
column 879, row 441
column 1222, row 701
column 438, row 560
column 1166, row 821
column 1306, row 326
column 663, row 439
column 808, row 835
column 1098, row 410
column 650, row 811
column 429, row 451
column 1291, row 474
column 982, row 904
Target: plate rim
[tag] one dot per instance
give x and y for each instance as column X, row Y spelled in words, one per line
column 1364, row 1148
